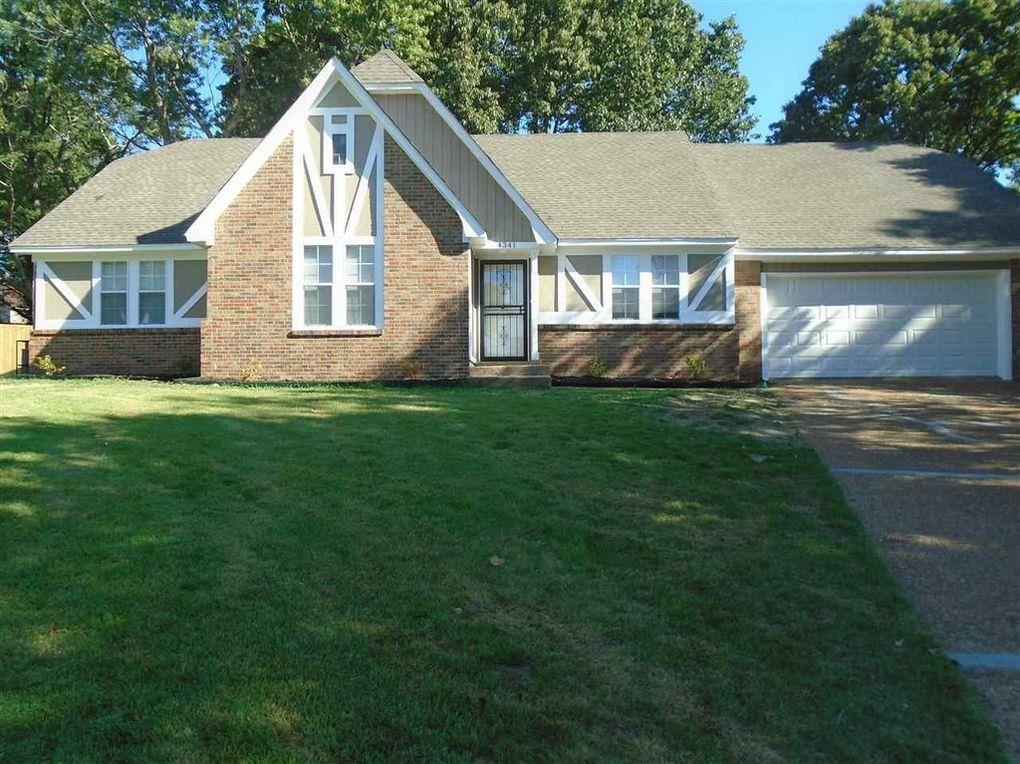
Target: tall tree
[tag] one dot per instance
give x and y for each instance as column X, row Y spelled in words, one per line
column 939, row 74
column 533, row 65
column 82, row 82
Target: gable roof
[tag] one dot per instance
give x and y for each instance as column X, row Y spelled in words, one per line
column 146, row 198
column 613, row 185
column 385, row 67
column 859, row 195
column 787, row 196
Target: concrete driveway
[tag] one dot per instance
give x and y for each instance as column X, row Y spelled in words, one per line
column 933, row 469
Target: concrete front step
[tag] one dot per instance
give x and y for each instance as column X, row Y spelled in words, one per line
column 510, row 374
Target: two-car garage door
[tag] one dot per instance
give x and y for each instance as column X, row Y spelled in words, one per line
column 920, row 324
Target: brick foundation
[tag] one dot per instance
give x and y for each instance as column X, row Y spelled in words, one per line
column 247, row 332
column 639, row 352
column 129, row 352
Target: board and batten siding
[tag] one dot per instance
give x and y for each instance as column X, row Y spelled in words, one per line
column 463, row 173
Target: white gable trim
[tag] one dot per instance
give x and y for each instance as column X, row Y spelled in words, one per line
column 540, row 230
column 203, row 229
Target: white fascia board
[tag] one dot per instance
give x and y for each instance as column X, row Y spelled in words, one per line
column 872, row 254
column 727, row 243
column 91, row 249
column 202, row 230
column 542, row 232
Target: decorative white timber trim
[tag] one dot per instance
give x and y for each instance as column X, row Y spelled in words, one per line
column 594, row 303
column 46, row 274
column 723, row 264
column 541, row 232
column 190, row 302
column 203, row 229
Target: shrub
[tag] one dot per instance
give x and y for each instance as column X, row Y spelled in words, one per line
column 48, row 366
column 595, row 367
column 697, row 365
column 252, row 371
column 412, row 369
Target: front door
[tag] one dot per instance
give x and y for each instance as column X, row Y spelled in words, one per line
column 504, row 306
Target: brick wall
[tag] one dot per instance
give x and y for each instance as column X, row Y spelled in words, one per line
column 130, row 352
column 639, row 352
column 247, row 332
column 747, row 306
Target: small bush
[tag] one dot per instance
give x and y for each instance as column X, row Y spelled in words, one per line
column 252, row 371
column 412, row 369
column 595, row 367
column 697, row 365
column 48, row 366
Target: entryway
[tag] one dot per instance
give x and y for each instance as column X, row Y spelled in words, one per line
column 504, row 310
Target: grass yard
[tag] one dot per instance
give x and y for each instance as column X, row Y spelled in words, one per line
column 306, row 572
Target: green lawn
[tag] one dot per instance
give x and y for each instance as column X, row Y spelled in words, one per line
column 305, row 572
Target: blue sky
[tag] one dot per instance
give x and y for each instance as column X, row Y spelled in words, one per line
column 782, row 40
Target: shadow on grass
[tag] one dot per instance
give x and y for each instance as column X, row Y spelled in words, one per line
column 306, row 573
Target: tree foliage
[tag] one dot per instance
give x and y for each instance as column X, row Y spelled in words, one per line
column 538, row 66
column 939, row 74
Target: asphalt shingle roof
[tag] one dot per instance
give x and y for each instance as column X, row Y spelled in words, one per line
column 796, row 196
column 147, row 198
column 385, row 67
column 617, row 186
column 612, row 185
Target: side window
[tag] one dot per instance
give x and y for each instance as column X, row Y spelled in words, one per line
column 337, row 144
column 626, row 280
column 152, row 292
column 113, row 284
column 665, row 287
column 318, row 285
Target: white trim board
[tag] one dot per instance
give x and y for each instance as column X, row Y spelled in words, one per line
column 871, row 254
column 203, row 229
column 87, row 250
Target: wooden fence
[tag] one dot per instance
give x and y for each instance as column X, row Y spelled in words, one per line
column 10, row 348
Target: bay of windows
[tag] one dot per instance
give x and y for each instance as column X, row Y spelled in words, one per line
column 680, row 287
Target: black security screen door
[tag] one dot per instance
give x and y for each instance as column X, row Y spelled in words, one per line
column 504, row 311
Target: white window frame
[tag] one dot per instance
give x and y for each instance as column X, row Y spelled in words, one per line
column 338, row 122
column 165, row 291
column 320, row 283
column 92, row 319
column 126, row 291
column 374, row 284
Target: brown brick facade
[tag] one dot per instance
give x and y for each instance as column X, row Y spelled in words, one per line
column 248, row 329
column 639, row 352
column 747, row 307
column 128, row 352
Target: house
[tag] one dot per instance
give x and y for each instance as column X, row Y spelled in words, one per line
column 369, row 236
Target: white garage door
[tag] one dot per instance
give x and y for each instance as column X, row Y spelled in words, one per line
column 880, row 325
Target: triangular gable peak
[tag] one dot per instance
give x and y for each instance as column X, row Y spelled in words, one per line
column 333, row 82
column 456, row 155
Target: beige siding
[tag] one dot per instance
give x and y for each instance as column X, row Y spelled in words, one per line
column 547, row 284
column 464, row 174
column 77, row 277
column 338, row 97
column 189, row 276
column 699, row 268
column 590, row 269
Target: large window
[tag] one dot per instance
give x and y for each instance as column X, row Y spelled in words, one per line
column 626, row 281
column 113, row 293
column 152, row 292
column 361, row 285
column 665, row 287
column 318, row 286
column 345, row 300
